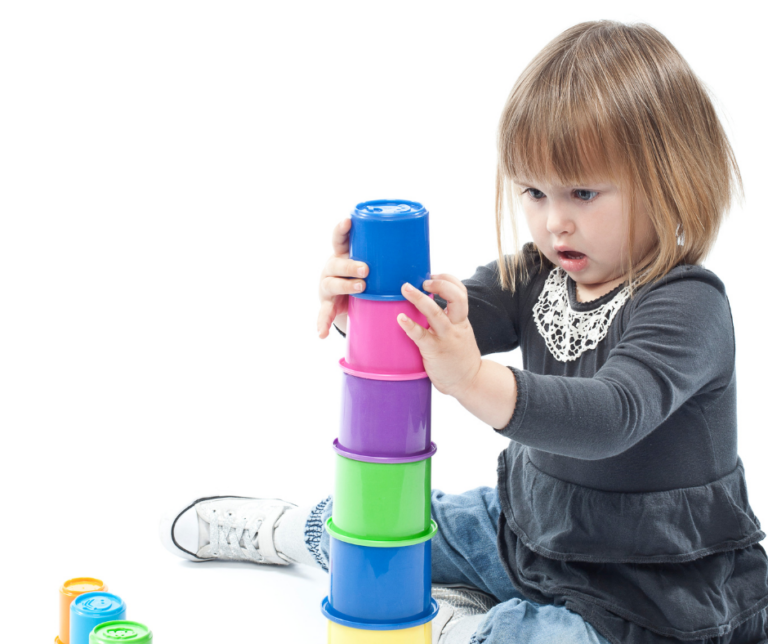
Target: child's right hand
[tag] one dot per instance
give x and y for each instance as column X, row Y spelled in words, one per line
column 335, row 282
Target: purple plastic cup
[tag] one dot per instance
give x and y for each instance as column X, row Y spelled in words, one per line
column 384, row 418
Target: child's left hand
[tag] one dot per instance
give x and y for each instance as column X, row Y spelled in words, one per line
column 451, row 356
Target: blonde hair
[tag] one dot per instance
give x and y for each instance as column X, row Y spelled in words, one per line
column 605, row 99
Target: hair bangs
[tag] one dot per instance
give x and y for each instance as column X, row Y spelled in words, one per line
column 555, row 127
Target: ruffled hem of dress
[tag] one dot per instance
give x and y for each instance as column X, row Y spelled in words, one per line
column 635, row 604
column 696, row 600
column 569, row 522
column 750, row 626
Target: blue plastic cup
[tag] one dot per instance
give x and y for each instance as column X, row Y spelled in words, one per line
column 392, row 237
column 380, row 585
column 91, row 609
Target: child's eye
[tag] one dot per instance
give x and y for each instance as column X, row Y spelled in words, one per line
column 585, row 195
column 534, row 194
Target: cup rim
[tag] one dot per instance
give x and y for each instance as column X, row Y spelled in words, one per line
column 393, row 377
column 389, row 460
column 340, row 535
column 416, row 210
column 337, row 618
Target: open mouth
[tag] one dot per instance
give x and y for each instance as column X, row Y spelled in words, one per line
column 572, row 261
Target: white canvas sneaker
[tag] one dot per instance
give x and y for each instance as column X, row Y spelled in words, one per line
column 462, row 610
column 226, row 528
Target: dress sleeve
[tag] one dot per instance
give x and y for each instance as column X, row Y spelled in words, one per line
column 678, row 342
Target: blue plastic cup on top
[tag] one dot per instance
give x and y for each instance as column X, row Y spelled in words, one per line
column 392, row 237
column 91, row 609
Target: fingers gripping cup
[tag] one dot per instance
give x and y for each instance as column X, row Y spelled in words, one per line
column 376, row 343
column 90, row 610
column 392, row 237
column 121, row 631
column 69, row 590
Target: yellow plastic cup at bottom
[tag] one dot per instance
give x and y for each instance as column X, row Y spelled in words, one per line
column 338, row 634
column 69, row 590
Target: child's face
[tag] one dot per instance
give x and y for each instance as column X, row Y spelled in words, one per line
column 591, row 219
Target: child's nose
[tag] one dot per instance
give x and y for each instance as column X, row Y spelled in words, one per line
column 559, row 221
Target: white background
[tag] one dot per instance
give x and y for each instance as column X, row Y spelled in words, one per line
column 170, row 173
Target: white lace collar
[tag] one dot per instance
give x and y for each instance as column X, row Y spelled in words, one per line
column 570, row 333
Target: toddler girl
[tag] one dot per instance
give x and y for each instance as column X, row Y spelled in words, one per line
column 621, row 512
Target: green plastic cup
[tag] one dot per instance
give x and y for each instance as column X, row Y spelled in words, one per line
column 120, row 631
column 382, row 501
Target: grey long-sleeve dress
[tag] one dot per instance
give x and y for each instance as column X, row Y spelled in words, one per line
column 623, row 495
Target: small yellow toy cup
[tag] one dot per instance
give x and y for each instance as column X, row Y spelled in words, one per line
column 338, row 634
column 69, row 590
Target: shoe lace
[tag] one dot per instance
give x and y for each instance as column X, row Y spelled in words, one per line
column 234, row 536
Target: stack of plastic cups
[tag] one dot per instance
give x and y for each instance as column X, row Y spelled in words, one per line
column 381, row 528
column 90, row 615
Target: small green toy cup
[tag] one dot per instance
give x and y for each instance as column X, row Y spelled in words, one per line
column 120, row 631
column 382, row 501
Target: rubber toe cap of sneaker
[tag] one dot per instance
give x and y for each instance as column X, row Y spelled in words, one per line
column 179, row 533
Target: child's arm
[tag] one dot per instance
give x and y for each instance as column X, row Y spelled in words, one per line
column 451, row 354
column 492, row 396
column 677, row 344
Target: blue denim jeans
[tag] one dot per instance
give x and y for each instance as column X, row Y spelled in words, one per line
column 464, row 552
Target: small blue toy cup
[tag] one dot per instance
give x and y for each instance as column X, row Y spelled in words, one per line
column 375, row 587
column 91, row 609
column 392, row 237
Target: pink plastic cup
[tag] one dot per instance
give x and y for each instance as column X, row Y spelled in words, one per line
column 375, row 341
